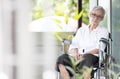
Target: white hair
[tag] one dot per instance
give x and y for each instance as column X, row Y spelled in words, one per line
column 99, row 8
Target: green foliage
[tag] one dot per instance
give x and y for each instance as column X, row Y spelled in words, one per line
column 78, row 16
column 113, row 70
column 61, row 35
column 60, row 8
column 58, row 22
column 85, row 6
column 66, row 8
column 66, row 18
column 75, row 70
column 37, row 12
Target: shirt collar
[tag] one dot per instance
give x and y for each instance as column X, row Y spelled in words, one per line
column 96, row 29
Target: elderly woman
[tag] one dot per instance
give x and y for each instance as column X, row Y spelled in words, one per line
column 85, row 45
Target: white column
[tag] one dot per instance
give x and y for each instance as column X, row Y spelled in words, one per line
column 49, row 55
column 6, row 26
column 1, row 37
column 24, row 41
column 6, row 39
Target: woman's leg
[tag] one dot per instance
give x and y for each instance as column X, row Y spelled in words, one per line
column 63, row 61
column 86, row 65
column 64, row 72
column 86, row 75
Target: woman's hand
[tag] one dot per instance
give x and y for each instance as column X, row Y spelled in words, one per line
column 76, row 56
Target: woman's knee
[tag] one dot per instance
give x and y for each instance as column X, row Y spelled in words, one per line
column 62, row 60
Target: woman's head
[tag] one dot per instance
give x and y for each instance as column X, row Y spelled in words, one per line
column 97, row 14
column 99, row 8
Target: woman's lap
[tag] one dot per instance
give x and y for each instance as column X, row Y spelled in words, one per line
column 88, row 60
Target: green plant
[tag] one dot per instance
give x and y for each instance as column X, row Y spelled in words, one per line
column 75, row 70
column 114, row 73
column 37, row 12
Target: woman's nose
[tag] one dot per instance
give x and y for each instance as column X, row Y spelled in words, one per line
column 96, row 18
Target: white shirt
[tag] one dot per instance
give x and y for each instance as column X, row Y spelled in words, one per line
column 86, row 41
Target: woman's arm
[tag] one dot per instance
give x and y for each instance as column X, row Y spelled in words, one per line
column 94, row 51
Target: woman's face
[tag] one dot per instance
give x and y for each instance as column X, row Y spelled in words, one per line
column 96, row 16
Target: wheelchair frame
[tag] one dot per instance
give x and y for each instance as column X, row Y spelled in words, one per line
column 105, row 59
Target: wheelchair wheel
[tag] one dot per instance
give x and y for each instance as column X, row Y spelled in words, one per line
column 110, row 67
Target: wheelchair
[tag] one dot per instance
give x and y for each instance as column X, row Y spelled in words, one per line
column 101, row 69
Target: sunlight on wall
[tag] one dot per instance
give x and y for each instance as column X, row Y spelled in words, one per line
column 3, row 76
column 49, row 75
column 49, row 55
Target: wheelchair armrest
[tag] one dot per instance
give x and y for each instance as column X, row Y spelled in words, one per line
column 104, row 40
column 67, row 41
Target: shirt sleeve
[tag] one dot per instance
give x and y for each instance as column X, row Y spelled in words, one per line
column 75, row 43
column 103, row 34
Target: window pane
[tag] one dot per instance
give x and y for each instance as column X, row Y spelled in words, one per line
column 116, row 29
